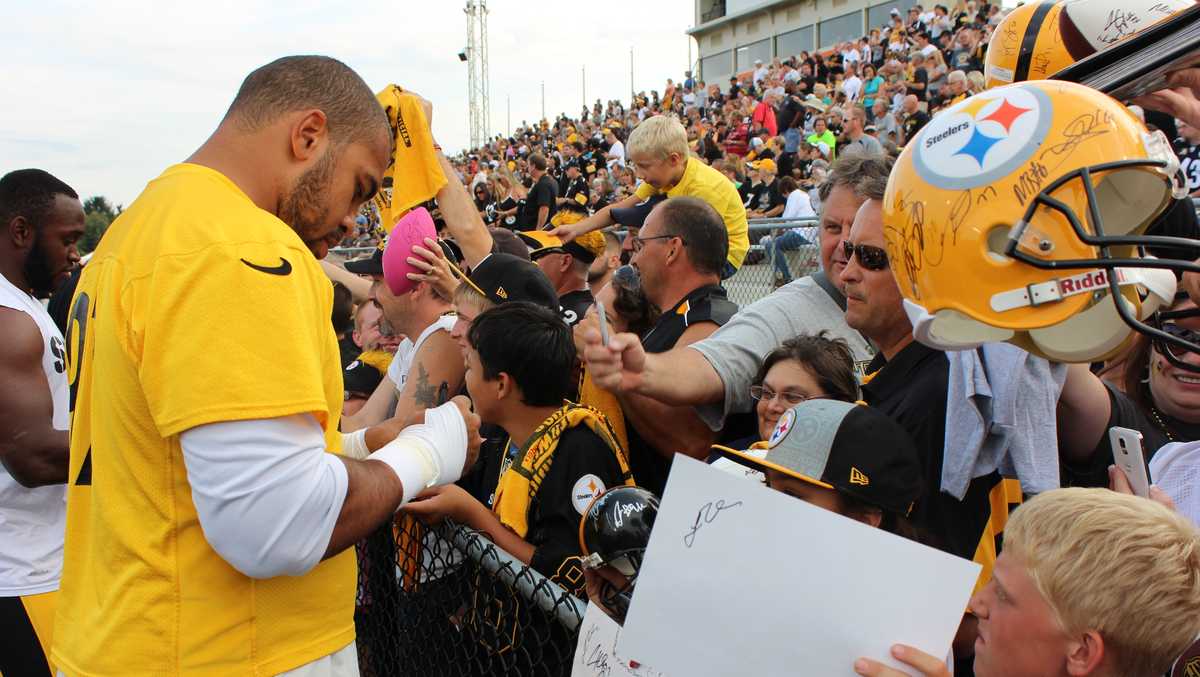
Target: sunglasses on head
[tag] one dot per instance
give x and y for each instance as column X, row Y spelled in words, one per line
column 871, row 258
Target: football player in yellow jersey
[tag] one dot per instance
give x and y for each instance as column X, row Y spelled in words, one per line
column 42, row 220
column 209, row 511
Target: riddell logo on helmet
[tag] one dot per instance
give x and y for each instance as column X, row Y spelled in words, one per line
column 1085, row 282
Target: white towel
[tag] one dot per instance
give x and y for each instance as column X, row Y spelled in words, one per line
column 1000, row 415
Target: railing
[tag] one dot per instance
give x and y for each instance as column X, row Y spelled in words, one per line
column 447, row 601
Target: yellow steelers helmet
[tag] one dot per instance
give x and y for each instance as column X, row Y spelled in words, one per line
column 1017, row 215
column 1026, row 45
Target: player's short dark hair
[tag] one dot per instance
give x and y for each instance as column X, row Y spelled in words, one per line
column 295, row 83
column 538, row 162
column 702, row 229
column 30, row 193
column 343, row 309
column 529, row 343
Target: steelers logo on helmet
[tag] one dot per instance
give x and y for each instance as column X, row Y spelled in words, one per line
column 782, row 428
column 983, row 138
column 1017, row 216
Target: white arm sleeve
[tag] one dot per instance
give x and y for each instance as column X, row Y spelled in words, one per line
column 266, row 492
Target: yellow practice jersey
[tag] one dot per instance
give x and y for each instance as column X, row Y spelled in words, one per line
column 197, row 307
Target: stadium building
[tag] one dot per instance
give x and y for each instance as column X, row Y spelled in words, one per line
column 732, row 34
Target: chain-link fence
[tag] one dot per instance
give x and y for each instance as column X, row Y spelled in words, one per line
column 445, row 600
column 781, row 250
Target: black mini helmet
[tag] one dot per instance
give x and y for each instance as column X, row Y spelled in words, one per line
column 614, row 532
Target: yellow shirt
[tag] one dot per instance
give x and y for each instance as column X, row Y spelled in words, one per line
column 197, row 307
column 700, row 180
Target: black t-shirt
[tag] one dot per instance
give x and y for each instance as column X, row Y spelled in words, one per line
column 543, row 194
column 510, row 221
column 791, row 114
column 706, row 304
column 583, row 466
column 913, row 124
column 920, row 76
column 911, row 388
column 767, row 197
column 1127, row 414
column 1189, row 162
column 1179, row 220
column 574, row 305
column 555, row 512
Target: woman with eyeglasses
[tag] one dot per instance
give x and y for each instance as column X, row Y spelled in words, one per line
column 805, row 367
column 1154, row 388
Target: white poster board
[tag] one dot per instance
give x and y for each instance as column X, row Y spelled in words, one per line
column 596, row 651
column 740, row 579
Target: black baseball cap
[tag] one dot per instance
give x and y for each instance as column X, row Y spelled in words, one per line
column 368, row 265
column 852, row 448
column 360, row 378
column 541, row 243
column 503, row 277
column 636, row 215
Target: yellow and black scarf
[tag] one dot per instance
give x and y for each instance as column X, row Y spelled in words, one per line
column 520, row 481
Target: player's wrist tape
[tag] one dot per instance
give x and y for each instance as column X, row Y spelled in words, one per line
column 428, row 454
column 354, row 445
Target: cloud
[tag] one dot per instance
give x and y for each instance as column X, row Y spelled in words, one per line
column 107, row 95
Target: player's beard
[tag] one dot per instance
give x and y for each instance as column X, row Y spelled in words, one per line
column 303, row 208
column 37, row 274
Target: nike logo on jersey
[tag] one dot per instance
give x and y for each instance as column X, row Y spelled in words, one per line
column 284, row 267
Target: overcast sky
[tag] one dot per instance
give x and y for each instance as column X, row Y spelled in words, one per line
column 106, row 95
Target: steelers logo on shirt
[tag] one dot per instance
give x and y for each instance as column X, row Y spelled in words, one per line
column 586, row 489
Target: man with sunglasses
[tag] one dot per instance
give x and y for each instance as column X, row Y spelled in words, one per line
column 678, row 253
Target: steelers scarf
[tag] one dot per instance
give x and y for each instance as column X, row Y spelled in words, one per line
column 520, row 482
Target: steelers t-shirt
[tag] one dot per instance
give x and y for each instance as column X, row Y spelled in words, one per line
column 1189, row 162
column 197, row 307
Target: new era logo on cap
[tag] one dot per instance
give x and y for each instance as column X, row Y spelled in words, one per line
column 501, row 293
column 857, row 477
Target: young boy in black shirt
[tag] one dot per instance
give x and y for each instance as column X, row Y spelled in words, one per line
column 559, row 455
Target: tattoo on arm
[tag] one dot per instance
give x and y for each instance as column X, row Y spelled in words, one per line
column 426, row 395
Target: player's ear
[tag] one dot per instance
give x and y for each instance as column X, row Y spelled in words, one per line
column 309, row 135
column 506, row 387
column 21, row 232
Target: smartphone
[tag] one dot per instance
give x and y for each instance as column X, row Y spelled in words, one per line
column 1130, row 458
column 603, row 322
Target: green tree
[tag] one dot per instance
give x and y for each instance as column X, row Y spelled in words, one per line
column 99, row 213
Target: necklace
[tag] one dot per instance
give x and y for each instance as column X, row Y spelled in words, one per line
column 1162, row 424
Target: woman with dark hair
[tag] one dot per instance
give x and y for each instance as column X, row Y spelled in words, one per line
column 485, row 203
column 1153, row 388
column 803, row 368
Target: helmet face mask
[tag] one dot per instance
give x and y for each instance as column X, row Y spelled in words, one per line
column 1007, row 221
column 613, row 535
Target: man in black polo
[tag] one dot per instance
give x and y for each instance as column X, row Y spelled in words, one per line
column 908, row 381
column 679, row 253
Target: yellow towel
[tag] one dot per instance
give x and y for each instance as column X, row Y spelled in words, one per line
column 414, row 175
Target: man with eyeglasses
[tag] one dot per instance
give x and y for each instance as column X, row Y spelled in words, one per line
column 679, row 253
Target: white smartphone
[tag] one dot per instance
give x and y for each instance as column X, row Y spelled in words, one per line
column 1130, row 458
column 603, row 322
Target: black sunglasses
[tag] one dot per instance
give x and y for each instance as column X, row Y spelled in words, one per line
column 1179, row 332
column 871, row 258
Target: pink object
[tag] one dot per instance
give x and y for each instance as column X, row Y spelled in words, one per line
column 411, row 229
